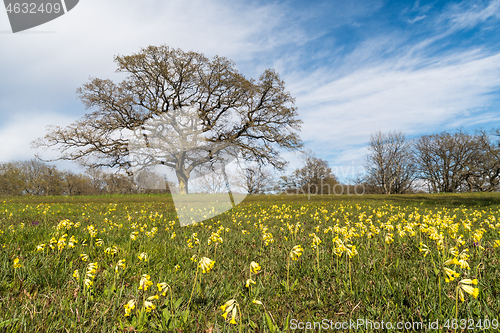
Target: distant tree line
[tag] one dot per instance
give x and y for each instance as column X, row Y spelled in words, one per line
column 435, row 163
column 34, row 177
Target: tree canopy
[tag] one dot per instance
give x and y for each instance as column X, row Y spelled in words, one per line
column 258, row 117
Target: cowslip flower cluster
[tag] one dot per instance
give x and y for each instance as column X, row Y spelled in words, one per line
column 255, row 267
column 148, row 304
column 92, row 231
column 111, row 250
column 145, row 282
column 16, row 263
column 296, row 252
column 450, row 274
column 315, row 241
column 72, row 242
column 466, row 285
column 121, row 264
column 129, row 307
column 163, row 286
column 230, row 307
column 143, row 257
column 206, row 264
column 424, row 249
column 193, row 241
column 90, row 274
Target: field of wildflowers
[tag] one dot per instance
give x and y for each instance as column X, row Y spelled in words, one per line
column 124, row 264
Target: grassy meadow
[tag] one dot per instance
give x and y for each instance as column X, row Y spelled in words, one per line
column 123, row 264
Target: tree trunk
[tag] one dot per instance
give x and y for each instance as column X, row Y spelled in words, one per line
column 183, row 182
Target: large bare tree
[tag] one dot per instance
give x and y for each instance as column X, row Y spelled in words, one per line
column 389, row 163
column 257, row 117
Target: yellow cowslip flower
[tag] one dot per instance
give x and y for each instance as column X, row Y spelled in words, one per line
column 339, row 247
column 129, row 307
column 351, row 250
column 61, row 243
column 99, row 242
column 497, row 243
column 134, row 235
column 173, row 235
column 150, row 298
column 92, row 231
column 76, row 274
column 389, row 239
column 145, row 282
column 52, row 243
column 315, row 241
column 249, row 281
column 143, row 256
column 84, row 257
column 148, row 306
column 161, row 286
column 254, row 267
column 230, row 306
column 450, row 274
column 257, row 302
column 423, row 248
column 296, row 252
column 72, row 242
column 91, row 270
column 122, row 264
column 206, row 264
column 16, row 263
column 452, row 261
column 40, row 247
column 463, row 264
column 88, row 283
column 177, row 267
column 111, row 250
column 466, row 285
column 233, row 317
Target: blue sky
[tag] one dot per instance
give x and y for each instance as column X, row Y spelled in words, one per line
column 354, row 67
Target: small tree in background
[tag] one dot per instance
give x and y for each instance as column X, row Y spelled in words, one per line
column 389, row 163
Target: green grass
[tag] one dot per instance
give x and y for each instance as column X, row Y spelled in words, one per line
column 390, row 282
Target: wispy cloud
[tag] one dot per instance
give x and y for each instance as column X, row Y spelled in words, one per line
column 468, row 14
column 395, row 82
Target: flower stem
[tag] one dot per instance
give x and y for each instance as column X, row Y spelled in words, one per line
column 439, row 291
column 317, row 257
column 288, row 274
column 194, row 285
column 239, row 313
column 350, row 281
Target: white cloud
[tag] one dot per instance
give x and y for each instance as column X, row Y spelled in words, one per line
column 469, row 14
column 22, row 129
column 394, row 96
